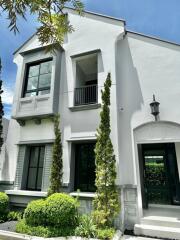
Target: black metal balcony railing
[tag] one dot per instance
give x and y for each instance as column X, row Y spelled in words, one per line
column 85, row 95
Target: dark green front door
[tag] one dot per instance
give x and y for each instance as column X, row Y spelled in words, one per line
column 85, row 167
column 159, row 174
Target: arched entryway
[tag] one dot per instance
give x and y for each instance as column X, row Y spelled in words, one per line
column 157, row 147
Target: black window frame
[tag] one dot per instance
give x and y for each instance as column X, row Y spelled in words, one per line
column 77, row 176
column 37, row 90
column 38, row 167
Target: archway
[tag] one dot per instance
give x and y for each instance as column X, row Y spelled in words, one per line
column 157, row 147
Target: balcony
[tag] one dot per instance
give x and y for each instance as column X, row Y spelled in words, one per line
column 86, row 95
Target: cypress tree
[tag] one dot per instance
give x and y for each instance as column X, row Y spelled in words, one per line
column 1, row 109
column 57, row 162
column 106, row 203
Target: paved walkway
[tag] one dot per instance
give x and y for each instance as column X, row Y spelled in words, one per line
column 8, row 226
column 126, row 237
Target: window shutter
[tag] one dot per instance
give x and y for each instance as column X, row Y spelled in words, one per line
column 47, row 167
column 20, row 166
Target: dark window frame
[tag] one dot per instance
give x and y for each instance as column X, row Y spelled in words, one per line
column 77, row 174
column 27, row 67
column 38, row 167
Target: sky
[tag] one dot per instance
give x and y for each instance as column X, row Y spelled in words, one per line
column 159, row 18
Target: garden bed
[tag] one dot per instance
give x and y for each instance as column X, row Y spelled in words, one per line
column 7, row 235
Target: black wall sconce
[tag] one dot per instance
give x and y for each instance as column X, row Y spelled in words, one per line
column 154, row 107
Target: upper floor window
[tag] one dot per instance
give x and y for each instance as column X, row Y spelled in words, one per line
column 86, row 80
column 38, row 79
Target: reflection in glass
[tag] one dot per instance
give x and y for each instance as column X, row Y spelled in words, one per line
column 44, row 80
column 46, row 67
column 32, row 83
column 33, row 71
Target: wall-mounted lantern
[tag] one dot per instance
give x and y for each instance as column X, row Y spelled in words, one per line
column 154, row 107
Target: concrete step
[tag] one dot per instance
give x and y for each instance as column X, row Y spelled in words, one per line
column 161, row 221
column 157, row 231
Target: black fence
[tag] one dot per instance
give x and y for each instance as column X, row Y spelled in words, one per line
column 85, row 95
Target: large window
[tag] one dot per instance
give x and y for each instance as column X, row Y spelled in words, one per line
column 38, row 79
column 35, row 168
column 85, row 167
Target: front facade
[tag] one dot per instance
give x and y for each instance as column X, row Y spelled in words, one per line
column 70, row 83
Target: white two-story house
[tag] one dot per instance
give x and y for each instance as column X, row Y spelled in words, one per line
column 69, row 83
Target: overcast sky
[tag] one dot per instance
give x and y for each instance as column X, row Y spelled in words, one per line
column 159, row 18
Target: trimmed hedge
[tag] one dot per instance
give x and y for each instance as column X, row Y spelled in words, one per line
column 55, row 216
column 35, row 213
column 58, row 210
column 4, row 206
column 61, row 210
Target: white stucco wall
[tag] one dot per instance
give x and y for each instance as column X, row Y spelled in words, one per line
column 144, row 67
column 139, row 66
column 91, row 33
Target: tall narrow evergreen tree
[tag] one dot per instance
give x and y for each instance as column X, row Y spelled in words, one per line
column 1, row 109
column 106, row 203
column 57, row 162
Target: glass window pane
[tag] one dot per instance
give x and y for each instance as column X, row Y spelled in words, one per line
column 39, row 178
column 33, row 71
column 46, row 67
column 41, row 157
column 32, row 83
column 34, row 157
column 44, row 80
column 30, row 94
column 43, row 92
column 32, row 178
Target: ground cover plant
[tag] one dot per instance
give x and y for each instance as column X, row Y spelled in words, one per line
column 88, row 229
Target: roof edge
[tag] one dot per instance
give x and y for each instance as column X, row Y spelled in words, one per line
column 99, row 14
column 152, row 37
column 22, row 45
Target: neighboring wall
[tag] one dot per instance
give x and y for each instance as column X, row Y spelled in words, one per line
column 8, row 155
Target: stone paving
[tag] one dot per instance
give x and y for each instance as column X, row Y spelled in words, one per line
column 8, row 226
column 127, row 237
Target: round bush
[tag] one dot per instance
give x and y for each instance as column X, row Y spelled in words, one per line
column 35, row 213
column 61, row 210
column 4, row 206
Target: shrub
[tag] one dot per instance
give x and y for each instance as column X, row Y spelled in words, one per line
column 106, row 233
column 61, row 210
column 35, row 213
column 14, row 216
column 86, row 227
column 41, row 231
column 4, row 206
column 55, row 216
